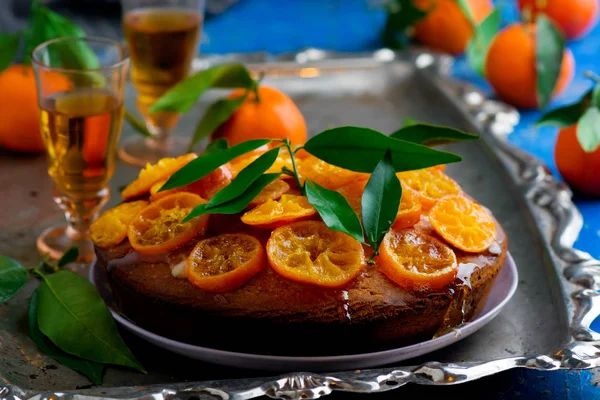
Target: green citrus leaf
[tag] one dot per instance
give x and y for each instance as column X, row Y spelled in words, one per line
column 184, row 95
column 361, row 149
column 137, row 125
column 401, row 15
column 238, row 204
column 466, row 9
column 217, row 113
column 74, row 317
column 244, row 179
column 596, row 96
column 217, row 146
column 207, row 163
column 408, row 121
column 12, row 278
column 549, row 54
column 9, row 44
column 90, row 369
column 479, row 44
column 568, row 115
column 70, row 256
column 588, row 130
column 431, row 134
column 380, row 201
column 334, row 210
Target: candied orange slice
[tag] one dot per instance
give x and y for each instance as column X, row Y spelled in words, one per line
column 431, row 184
column 205, row 187
column 463, row 223
column 416, row 261
column 309, row 252
column 110, row 228
column 273, row 191
column 157, row 229
column 325, row 174
column 225, row 262
column 273, row 213
column 153, row 173
column 409, row 212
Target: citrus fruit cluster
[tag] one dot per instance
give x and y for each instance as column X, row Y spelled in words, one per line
column 281, row 229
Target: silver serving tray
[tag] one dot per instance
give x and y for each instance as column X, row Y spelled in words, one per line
column 545, row 327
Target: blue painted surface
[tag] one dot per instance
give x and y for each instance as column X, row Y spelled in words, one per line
column 355, row 25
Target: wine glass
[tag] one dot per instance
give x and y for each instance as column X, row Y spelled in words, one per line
column 80, row 85
column 162, row 36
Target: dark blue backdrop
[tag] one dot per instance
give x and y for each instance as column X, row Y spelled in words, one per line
column 355, row 25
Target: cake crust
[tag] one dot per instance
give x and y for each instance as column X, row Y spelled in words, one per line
column 272, row 315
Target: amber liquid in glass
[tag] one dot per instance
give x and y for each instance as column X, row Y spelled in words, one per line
column 81, row 129
column 162, row 44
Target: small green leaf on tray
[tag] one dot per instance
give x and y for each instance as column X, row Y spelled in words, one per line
column 217, row 113
column 361, row 149
column 480, row 42
column 568, row 115
column 74, row 317
column 9, row 44
column 334, row 210
column 238, row 204
column 204, row 165
column 136, row 124
column 12, row 278
column 380, row 201
column 184, row 95
column 217, row 146
column 401, row 15
column 550, row 47
column 431, row 134
column 70, row 256
column 90, row 369
column 244, row 179
column 588, row 130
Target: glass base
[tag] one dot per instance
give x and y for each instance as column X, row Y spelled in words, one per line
column 54, row 241
column 141, row 151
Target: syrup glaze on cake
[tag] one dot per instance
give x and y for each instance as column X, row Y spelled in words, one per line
column 288, row 318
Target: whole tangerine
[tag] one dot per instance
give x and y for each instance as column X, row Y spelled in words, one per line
column 20, row 127
column 274, row 115
column 510, row 66
column 578, row 168
column 446, row 28
column 574, row 17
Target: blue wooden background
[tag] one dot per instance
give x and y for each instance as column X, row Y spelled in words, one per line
column 355, row 25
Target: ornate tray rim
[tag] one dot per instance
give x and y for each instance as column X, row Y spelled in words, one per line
column 547, row 198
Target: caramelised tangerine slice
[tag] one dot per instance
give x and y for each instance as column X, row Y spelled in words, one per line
column 463, row 223
column 110, row 228
column 416, row 261
column 205, row 187
column 431, row 184
column 409, row 212
column 157, row 229
column 309, row 252
column 273, row 191
column 273, row 213
column 153, row 173
column 325, row 174
column 225, row 262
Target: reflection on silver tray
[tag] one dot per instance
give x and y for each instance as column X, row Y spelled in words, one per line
column 556, row 218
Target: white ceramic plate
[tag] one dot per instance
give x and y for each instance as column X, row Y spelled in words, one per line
column 503, row 290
